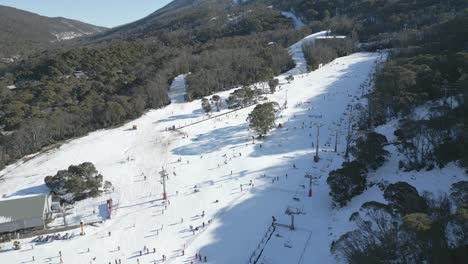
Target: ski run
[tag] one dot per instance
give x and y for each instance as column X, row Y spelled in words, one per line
column 223, row 189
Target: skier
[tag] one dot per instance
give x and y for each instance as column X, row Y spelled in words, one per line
column 181, row 220
column 109, row 233
column 205, row 258
column 203, row 214
column 88, row 250
column 203, row 224
column 154, row 250
column 144, row 177
column 118, row 248
column 183, row 252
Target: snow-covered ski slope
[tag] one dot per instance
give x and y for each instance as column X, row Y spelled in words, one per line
column 217, row 158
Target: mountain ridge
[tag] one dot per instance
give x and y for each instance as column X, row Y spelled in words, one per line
column 22, row 31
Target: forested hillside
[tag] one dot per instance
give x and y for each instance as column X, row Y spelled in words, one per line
column 68, row 92
column 411, row 112
column 22, row 32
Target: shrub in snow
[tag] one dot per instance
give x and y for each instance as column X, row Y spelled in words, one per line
column 76, row 183
column 347, row 182
column 273, row 83
column 369, row 150
column 206, row 105
column 459, row 193
column 405, row 199
column 217, row 101
column 262, row 118
column 240, row 97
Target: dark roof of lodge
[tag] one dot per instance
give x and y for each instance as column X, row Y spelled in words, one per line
column 22, row 208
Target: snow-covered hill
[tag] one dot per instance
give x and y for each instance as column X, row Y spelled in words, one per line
column 219, row 180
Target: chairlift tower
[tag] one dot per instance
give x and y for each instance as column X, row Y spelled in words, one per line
column 308, row 175
column 316, row 157
column 164, row 176
column 291, row 211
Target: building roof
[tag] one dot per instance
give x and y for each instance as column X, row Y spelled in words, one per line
column 22, row 208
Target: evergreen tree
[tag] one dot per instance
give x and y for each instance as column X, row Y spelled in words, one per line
column 262, row 118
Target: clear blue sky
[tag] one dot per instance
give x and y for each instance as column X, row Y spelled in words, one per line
column 107, row 13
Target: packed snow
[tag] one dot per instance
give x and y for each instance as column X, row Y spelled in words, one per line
column 298, row 55
column 4, row 219
column 223, row 188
